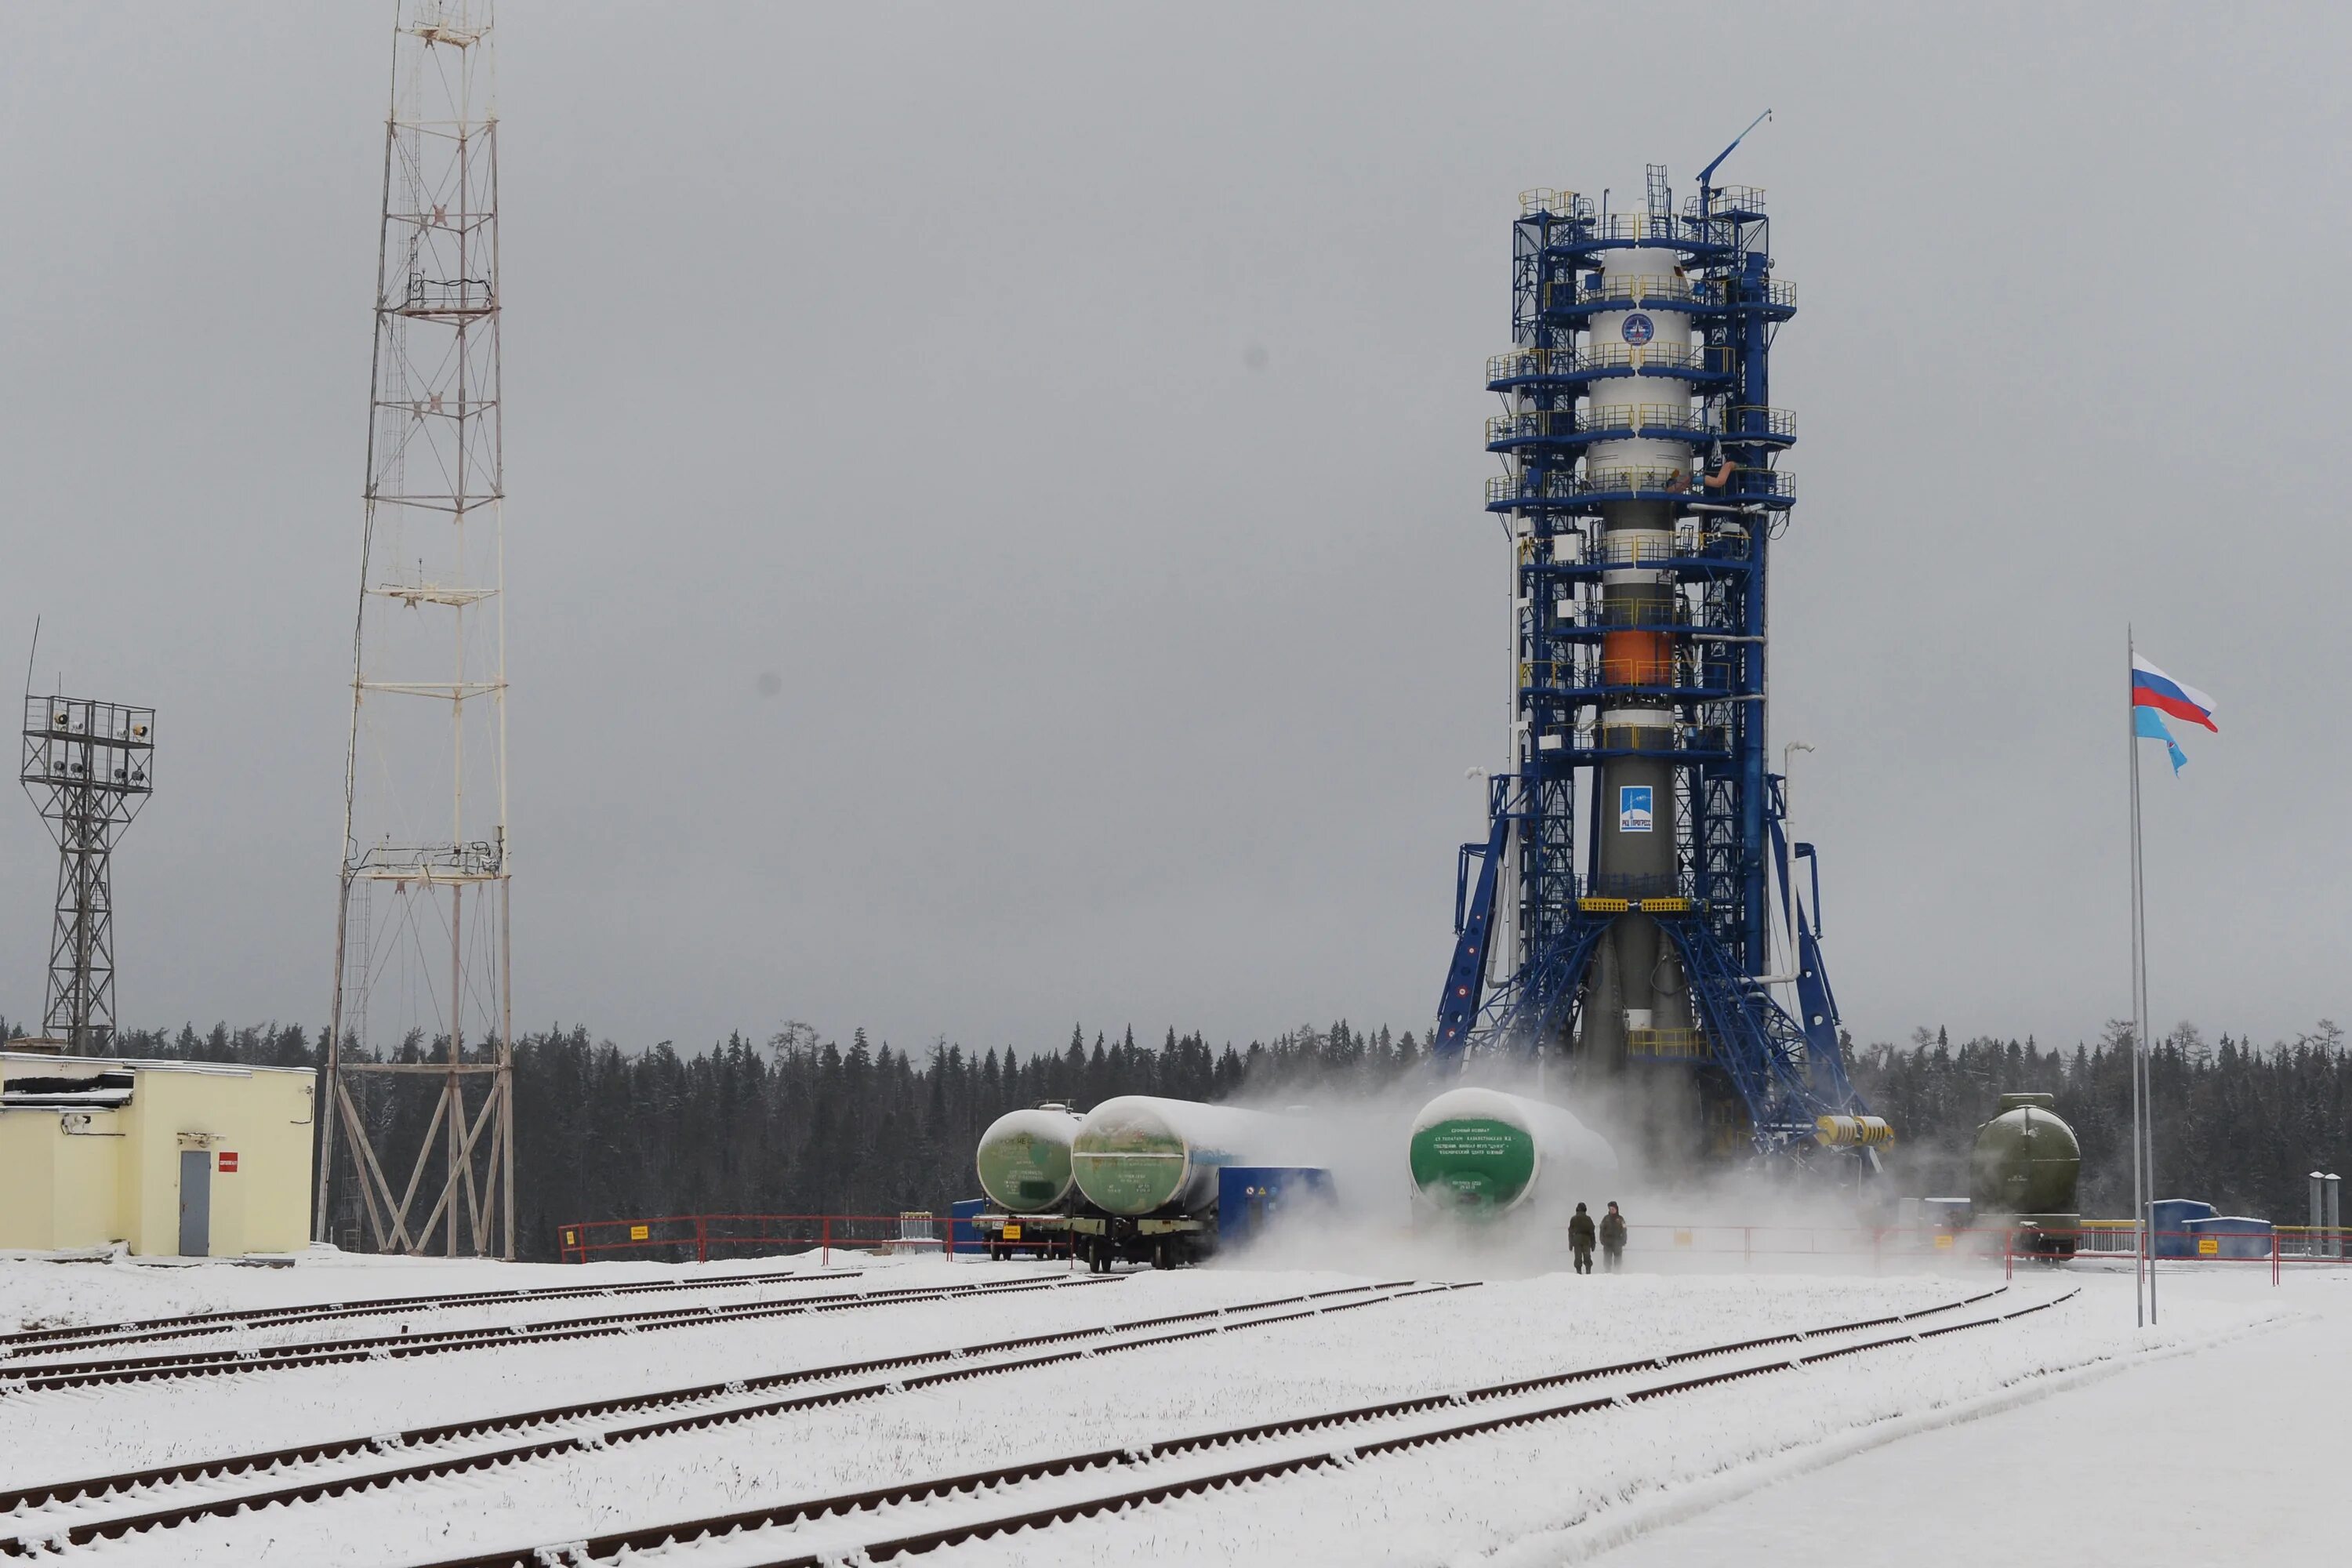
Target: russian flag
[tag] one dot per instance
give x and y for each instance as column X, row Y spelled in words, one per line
column 2151, row 687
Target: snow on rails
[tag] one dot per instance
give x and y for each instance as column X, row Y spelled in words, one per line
column 1034, row 1405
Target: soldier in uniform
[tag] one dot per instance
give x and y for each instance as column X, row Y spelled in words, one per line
column 1579, row 1239
column 1613, row 1240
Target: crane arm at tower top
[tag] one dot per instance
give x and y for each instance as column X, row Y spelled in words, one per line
column 1708, row 174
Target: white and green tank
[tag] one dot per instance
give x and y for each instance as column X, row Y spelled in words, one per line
column 1481, row 1153
column 1024, row 1159
column 1139, row 1154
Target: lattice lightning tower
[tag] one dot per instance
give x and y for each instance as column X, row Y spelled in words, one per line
column 424, row 839
column 89, row 766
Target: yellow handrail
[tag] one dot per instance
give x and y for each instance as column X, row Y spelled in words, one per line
column 1531, row 361
column 1681, row 738
column 1730, row 198
column 1630, row 290
column 1544, row 199
column 1752, row 419
column 1523, row 362
column 1666, row 481
column 1633, row 614
column 1685, row 671
column 1643, row 225
column 1639, row 416
column 1683, row 1045
column 1538, row 422
column 1773, row 291
column 1654, row 356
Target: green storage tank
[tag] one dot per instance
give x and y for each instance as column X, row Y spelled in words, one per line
column 2025, row 1168
column 1480, row 1151
column 1139, row 1154
column 1024, row 1159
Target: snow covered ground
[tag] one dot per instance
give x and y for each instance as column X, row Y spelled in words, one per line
column 2230, row 1453
column 1639, row 1478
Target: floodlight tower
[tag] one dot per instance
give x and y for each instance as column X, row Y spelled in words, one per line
column 89, row 766
column 425, row 803
column 1641, row 490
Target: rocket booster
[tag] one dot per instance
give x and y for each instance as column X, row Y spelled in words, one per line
column 1636, row 982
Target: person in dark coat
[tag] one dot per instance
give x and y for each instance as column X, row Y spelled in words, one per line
column 1613, row 1240
column 1579, row 1239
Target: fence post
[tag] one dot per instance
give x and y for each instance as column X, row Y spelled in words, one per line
column 2274, row 1255
column 827, row 1261
column 2008, row 1254
column 702, row 1239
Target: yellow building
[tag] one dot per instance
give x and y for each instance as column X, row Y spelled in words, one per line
column 197, row 1158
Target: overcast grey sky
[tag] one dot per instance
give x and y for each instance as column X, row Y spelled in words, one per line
column 1078, row 410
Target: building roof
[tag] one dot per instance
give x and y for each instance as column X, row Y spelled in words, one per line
column 11, row 1062
column 40, row 1081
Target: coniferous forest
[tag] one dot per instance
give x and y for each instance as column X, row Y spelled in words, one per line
column 800, row 1124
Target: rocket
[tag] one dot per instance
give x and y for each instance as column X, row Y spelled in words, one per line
column 1636, row 981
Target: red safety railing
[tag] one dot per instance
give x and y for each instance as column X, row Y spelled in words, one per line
column 1749, row 1243
column 2270, row 1249
column 700, row 1237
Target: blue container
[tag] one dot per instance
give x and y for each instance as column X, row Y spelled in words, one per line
column 1249, row 1197
column 2170, row 1219
column 2233, row 1235
column 963, row 1235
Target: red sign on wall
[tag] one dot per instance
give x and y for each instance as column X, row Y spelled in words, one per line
column 227, row 1160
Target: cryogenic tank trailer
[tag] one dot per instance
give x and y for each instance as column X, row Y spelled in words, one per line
column 1146, row 1168
column 1480, row 1153
column 2023, row 1173
column 1024, row 1161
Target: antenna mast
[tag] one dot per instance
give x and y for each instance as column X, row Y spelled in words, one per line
column 421, row 919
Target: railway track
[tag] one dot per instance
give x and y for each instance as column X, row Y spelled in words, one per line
column 28, row 1376
column 194, row 1325
column 42, row 1520
column 1134, row 1464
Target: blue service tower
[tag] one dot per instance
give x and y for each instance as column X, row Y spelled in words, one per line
column 1640, row 492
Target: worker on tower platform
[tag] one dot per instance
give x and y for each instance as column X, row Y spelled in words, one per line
column 1680, row 484
column 1579, row 1239
column 1613, row 1240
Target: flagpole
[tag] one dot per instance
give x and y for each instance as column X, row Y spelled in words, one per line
column 2142, row 1261
column 2147, row 1089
